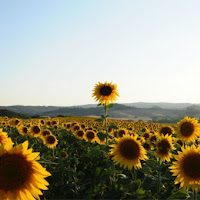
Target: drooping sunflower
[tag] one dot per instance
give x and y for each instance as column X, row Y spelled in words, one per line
column 50, row 141
column 188, row 129
column 21, row 176
column 105, row 92
column 128, row 152
column 187, row 168
column 163, row 146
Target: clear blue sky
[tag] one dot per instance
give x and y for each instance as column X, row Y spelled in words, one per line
column 54, row 52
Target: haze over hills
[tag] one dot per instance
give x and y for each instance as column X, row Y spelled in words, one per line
column 128, row 111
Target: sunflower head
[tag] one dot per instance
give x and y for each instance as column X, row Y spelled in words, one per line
column 105, row 92
column 50, row 141
column 121, row 132
column 188, row 129
column 128, row 152
column 187, row 167
column 35, row 131
column 21, row 176
column 163, row 146
column 90, row 136
column 79, row 134
column 166, row 130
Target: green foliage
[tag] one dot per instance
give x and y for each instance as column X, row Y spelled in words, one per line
column 89, row 173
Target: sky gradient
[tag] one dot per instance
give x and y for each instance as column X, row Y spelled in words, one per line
column 54, row 52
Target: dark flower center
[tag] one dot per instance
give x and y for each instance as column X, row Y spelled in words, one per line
column 163, row 146
column 121, row 133
column 15, row 172
column 106, row 90
column 187, row 129
column 90, row 135
column 45, row 133
column 191, row 165
column 51, row 139
column 129, row 149
column 166, row 130
column 25, row 130
column 80, row 133
column 76, row 128
column 36, row 129
column 146, row 136
column 147, row 146
column 180, row 142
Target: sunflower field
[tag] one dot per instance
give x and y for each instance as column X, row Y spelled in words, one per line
column 88, row 158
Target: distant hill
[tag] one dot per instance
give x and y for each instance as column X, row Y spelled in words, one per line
column 161, row 105
column 151, row 111
column 10, row 114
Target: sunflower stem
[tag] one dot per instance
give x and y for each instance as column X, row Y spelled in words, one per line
column 133, row 174
column 53, row 154
column 194, row 195
column 106, row 113
column 159, row 179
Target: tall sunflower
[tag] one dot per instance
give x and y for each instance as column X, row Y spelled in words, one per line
column 105, row 92
column 187, row 168
column 188, row 129
column 163, row 146
column 128, row 152
column 21, row 176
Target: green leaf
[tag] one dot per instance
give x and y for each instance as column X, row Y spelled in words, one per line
column 101, row 135
column 140, row 193
column 99, row 120
column 99, row 104
column 110, row 105
column 113, row 126
column 182, row 193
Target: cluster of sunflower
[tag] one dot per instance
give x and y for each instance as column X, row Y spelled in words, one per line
column 36, row 128
column 128, row 150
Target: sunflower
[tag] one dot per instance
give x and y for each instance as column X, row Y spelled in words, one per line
column 79, row 134
column 166, row 130
column 21, row 176
column 128, row 152
column 187, row 167
column 23, row 130
column 3, row 137
column 121, row 132
column 105, row 92
column 147, row 146
column 188, row 129
column 90, row 136
column 163, row 146
column 35, row 131
column 45, row 132
column 50, row 141
column 146, row 135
